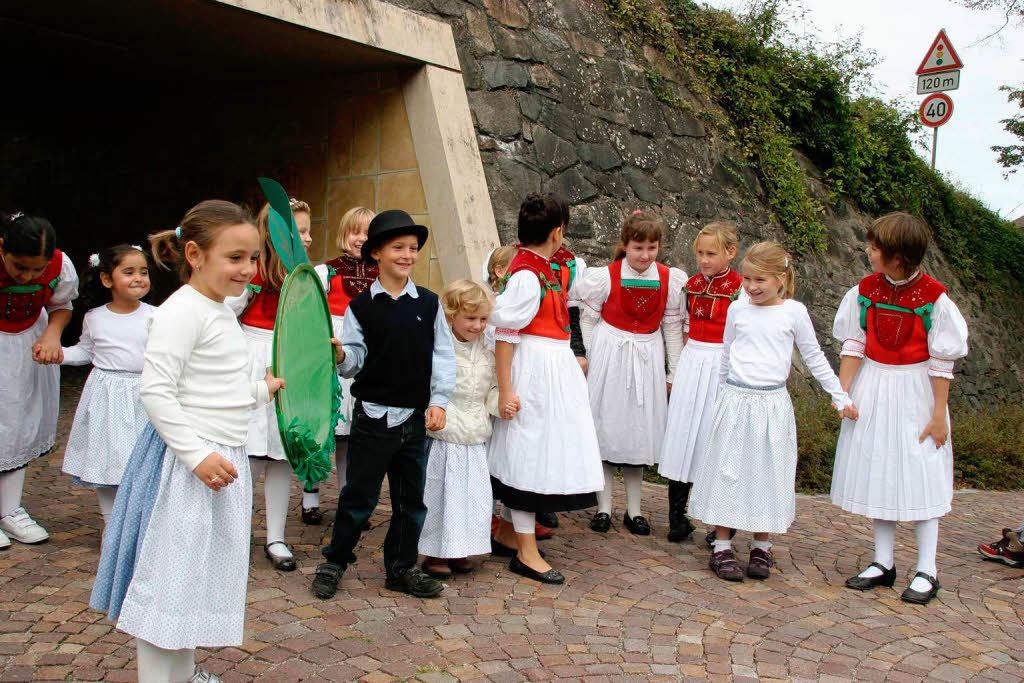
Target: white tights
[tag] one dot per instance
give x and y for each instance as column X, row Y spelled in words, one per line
column 276, row 488
column 633, row 478
column 157, row 665
column 927, row 534
column 106, row 496
column 11, row 486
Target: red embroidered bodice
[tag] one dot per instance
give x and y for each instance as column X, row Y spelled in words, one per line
column 552, row 319
column 707, row 303
column 20, row 305
column 897, row 318
column 261, row 311
column 347, row 278
column 636, row 306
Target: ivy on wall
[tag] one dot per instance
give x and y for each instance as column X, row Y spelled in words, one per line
column 774, row 93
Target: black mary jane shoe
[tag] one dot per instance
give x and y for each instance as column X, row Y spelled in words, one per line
column 866, row 583
column 917, row 597
column 548, row 519
column 638, row 526
column 280, row 562
column 517, row 566
column 502, row 550
column 601, row 522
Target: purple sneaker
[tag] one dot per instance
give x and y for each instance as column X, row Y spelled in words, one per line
column 724, row 565
column 760, row 564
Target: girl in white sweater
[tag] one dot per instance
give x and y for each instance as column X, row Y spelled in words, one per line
column 175, row 559
column 746, row 478
column 458, row 489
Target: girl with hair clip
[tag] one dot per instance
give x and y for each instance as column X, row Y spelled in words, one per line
column 257, row 312
column 344, row 277
column 110, row 415
column 901, row 334
column 543, row 455
column 458, row 489
column 175, row 560
column 747, row 475
column 37, row 285
column 705, row 303
column 630, row 307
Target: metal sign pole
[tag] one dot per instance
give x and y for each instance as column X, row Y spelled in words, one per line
column 935, row 141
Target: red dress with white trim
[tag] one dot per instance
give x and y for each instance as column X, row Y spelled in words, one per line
column 907, row 332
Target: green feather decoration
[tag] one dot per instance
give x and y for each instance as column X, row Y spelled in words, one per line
column 281, row 225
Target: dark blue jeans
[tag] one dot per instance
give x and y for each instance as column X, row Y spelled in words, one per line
column 375, row 450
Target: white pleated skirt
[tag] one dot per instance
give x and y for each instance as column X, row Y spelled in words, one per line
column 747, row 476
column 188, row 589
column 29, row 399
column 458, row 499
column 881, row 470
column 690, row 410
column 628, row 394
column 264, row 436
column 550, row 446
column 108, row 421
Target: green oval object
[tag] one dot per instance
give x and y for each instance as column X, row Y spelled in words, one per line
column 307, row 409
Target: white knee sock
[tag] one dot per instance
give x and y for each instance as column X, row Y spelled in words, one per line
column 11, row 486
column 604, row 496
column 106, row 496
column 927, row 533
column 276, row 488
column 720, row 544
column 633, row 477
column 157, row 665
column 310, row 499
column 524, row 522
column 885, row 539
column 764, row 545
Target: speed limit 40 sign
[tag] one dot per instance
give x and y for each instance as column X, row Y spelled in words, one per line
column 936, row 110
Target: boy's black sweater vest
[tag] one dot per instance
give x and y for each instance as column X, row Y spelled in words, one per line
column 399, row 336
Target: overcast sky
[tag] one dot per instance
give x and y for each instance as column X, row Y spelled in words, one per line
column 901, row 31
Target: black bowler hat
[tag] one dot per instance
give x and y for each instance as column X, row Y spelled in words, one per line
column 387, row 225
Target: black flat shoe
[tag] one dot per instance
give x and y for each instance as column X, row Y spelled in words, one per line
column 502, row 550
column 919, row 598
column 638, row 526
column 548, row 519
column 312, row 516
column 866, row 583
column 284, row 564
column 682, row 532
column 601, row 522
column 516, row 566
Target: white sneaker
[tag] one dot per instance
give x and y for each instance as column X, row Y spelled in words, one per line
column 22, row 528
column 5, row 542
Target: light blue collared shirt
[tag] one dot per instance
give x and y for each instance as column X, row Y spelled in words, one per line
column 442, row 362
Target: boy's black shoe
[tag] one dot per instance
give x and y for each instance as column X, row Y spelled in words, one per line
column 678, row 534
column 548, row 519
column 325, row 583
column 680, row 527
column 414, row 582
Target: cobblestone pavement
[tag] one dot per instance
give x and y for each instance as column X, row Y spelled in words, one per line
column 632, row 607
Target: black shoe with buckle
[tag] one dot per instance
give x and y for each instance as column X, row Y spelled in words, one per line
column 312, row 516
column 638, row 526
column 284, row 563
column 325, row 582
column 601, row 522
column 553, row 576
column 865, row 583
column 414, row 582
column 917, row 597
column 548, row 519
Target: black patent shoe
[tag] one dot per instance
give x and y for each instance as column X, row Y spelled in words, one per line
column 680, row 533
column 638, row 526
column 919, row 598
column 517, row 566
column 601, row 522
column 284, row 563
column 866, row 583
column 312, row 516
column 548, row 519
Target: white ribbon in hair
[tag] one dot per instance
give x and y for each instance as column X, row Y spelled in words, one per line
column 94, row 260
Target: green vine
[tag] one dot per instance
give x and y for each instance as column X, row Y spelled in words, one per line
column 780, row 93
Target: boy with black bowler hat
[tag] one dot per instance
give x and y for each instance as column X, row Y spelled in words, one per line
column 396, row 343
